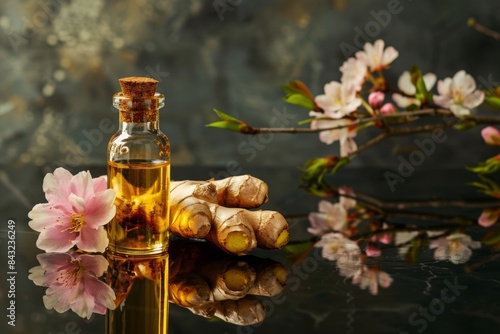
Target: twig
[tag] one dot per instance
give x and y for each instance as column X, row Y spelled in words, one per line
column 484, row 30
column 423, row 112
column 369, row 144
column 399, row 205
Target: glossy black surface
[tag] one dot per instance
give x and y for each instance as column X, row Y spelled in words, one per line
column 459, row 298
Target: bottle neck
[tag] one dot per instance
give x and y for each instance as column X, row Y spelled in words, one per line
column 139, row 121
column 138, row 114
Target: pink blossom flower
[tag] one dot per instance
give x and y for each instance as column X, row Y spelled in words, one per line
column 388, row 109
column 373, row 250
column 78, row 207
column 407, row 87
column 372, row 278
column 491, row 135
column 73, row 283
column 488, row 217
column 376, row 99
column 344, row 135
column 346, row 253
column 331, row 216
column 458, row 94
column 455, row 248
column 375, row 57
column 339, row 100
column 353, row 73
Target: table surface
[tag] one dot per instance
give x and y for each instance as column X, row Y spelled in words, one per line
column 320, row 300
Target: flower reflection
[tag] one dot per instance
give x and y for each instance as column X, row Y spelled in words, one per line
column 489, row 217
column 456, row 248
column 332, row 216
column 73, row 283
column 371, row 279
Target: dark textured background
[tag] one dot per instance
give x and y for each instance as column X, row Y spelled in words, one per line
column 58, row 80
column 59, row 77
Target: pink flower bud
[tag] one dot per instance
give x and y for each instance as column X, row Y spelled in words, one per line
column 388, row 109
column 491, row 135
column 385, row 238
column 376, row 99
column 488, row 217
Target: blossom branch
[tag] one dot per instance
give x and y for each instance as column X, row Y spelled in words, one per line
column 423, row 112
column 431, row 112
column 484, row 30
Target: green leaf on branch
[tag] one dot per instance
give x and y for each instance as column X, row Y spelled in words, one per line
column 416, row 247
column 341, row 163
column 297, row 252
column 298, row 94
column 493, row 101
column 314, row 179
column 299, row 100
column 465, row 125
column 488, row 186
column 231, row 123
column 306, row 121
column 489, row 166
column 422, row 93
column 491, row 238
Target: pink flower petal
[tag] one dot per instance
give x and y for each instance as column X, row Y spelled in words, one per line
column 404, row 83
column 55, row 240
column 444, row 87
column 464, row 83
column 100, row 209
column 429, row 80
column 404, row 102
column 442, row 101
column 77, row 203
column 93, row 240
column 459, row 110
column 94, row 264
column 389, row 55
column 474, row 99
column 100, row 183
column 46, row 215
column 384, row 279
column 82, row 185
column 347, row 146
column 102, row 294
column 56, row 186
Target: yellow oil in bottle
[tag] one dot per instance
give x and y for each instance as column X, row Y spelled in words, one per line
column 141, row 288
column 141, row 223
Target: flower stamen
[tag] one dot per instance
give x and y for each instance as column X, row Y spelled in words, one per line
column 77, row 222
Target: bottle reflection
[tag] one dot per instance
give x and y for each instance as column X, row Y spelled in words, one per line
column 196, row 276
column 141, row 288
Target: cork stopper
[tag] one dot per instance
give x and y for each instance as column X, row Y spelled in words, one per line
column 138, row 100
column 138, row 87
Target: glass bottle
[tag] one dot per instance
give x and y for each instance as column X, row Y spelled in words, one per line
column 139, row 171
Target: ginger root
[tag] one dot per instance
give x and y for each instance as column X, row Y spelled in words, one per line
column 217, row 211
